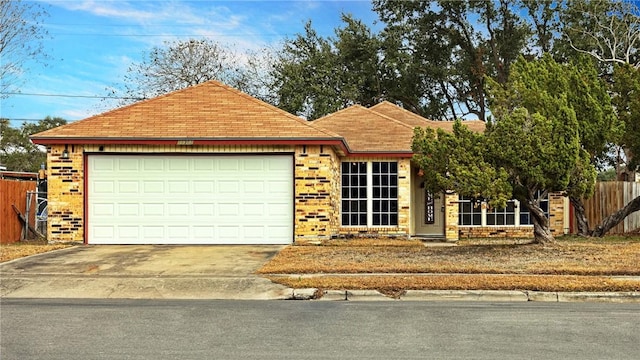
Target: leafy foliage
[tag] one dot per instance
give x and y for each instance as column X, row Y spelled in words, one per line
column 17, row 152
column 626, row 90
column 532, row 148
column 315, row 76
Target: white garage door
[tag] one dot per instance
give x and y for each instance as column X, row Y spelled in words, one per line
column 164, row 199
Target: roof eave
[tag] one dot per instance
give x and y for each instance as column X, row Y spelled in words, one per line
column 338, row 142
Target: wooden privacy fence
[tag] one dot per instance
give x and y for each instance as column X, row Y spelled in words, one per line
column 609, row 197
column 13, row 192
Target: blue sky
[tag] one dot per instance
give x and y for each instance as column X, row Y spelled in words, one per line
column 92, row 42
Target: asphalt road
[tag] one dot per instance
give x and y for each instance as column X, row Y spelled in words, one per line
column 178, row 329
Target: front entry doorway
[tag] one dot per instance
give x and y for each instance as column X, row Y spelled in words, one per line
column 428, row 214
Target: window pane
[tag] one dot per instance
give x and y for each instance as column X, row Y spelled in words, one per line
column 354, row 192
column 393, row 219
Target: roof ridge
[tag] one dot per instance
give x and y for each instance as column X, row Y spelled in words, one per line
column 272, row 107
column 358, row 106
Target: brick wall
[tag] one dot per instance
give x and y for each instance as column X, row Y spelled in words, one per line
column 317, row 192
column 451, row 217
column 65, row 194
column 556, row 214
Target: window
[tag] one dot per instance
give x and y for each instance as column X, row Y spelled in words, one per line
column 525, row 215
column 506, row 216
column 471, row 213
column 354, row 193
column 370, row 193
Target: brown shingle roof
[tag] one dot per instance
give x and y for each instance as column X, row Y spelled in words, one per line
column 368, row 131
column 409, row 118
column 210, row 110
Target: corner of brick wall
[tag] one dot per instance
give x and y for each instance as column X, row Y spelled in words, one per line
column 556, row 214
column 451, row 209
column 317, row 192
column 65, row 194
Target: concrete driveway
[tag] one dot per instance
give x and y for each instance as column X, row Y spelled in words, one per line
column 143, row 272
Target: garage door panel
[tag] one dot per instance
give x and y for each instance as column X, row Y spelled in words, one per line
column 128, row 164
column 190, row 199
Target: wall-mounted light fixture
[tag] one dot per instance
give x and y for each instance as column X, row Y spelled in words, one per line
column 65, row 152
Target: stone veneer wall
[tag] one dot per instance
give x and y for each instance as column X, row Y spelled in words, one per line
column 317, row 192
column 556, row 223
column 404, row 203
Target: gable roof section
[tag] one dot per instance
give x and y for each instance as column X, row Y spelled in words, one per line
column 412, row 119
column 367, row 131
column 209, row 111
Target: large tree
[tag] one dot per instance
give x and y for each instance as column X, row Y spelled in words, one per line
column 182, row 63
column 314, row 76
column 17, row 152
column 21, row 35
column 609, row 32
column 523, row 154
column 453, row 46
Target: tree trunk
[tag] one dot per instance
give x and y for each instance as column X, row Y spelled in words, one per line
column 616, row 218
column 581, row 217
column 541, row 232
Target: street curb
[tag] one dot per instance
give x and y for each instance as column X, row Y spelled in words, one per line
column 467, row 295
column 366, row 295
column 464, row 295
column 618, row 297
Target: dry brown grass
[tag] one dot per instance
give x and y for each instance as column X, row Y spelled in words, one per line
column 567, row 257
column 573, row 264
column 393, row 283
column 26, row 248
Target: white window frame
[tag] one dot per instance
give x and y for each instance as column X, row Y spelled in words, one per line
column 484, row 212
column 369, row 174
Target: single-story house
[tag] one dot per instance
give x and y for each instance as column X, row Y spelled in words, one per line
column 212, row 165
